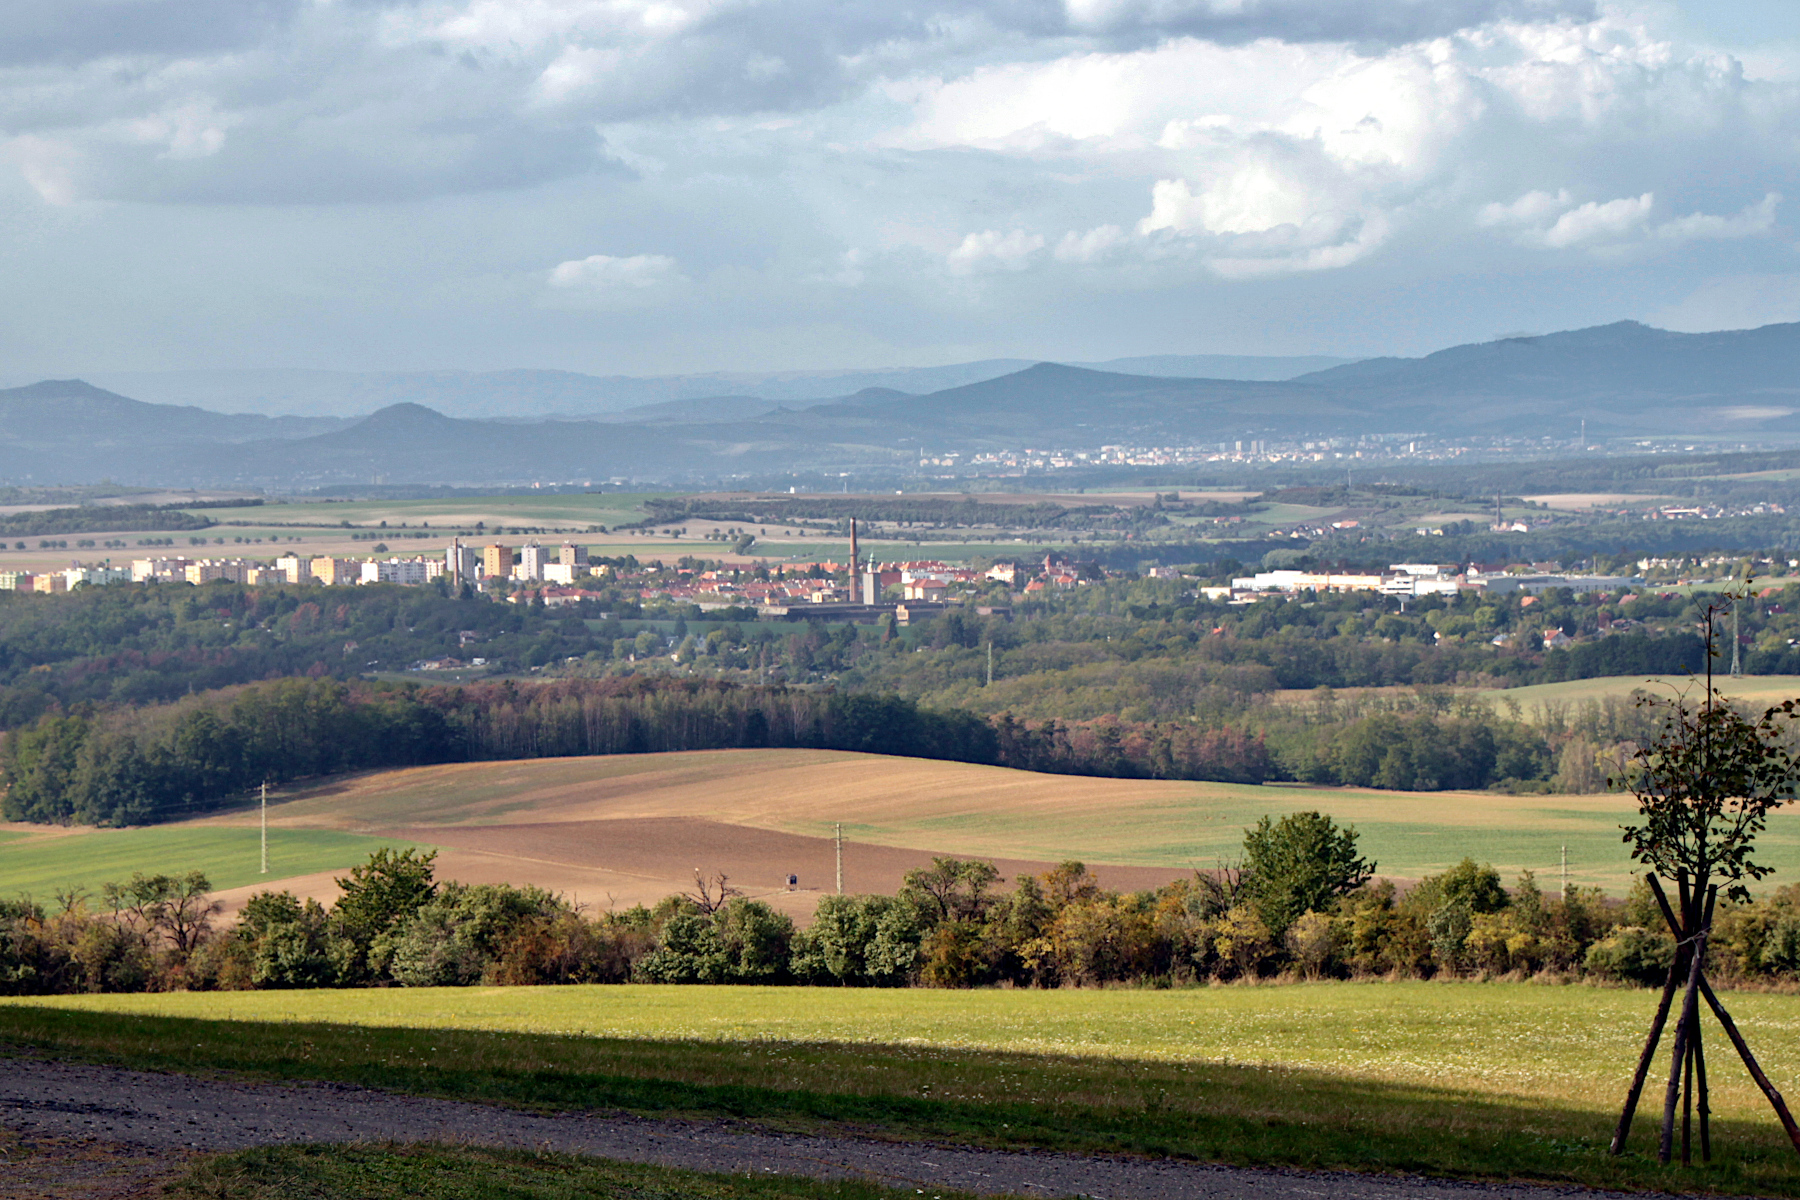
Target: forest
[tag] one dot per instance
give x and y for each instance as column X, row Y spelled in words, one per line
column 129, row 705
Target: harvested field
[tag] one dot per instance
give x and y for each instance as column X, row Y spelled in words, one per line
column 651, row 820
column 631, row 829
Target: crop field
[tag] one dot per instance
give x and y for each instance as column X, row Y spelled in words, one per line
column 630, row 829
column 1513, row 1080
column 41, row 863
column 1756, row 689
column 574, row 509
column 757, row 813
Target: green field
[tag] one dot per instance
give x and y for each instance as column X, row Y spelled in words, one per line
column 1757, row 689
column 995, row 812
column 44, row 864
column 1506, row 1080
column 607, row 508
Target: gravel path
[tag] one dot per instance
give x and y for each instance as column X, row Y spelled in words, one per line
column 178, row 1114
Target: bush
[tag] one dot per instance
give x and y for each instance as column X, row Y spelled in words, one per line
column 1632, row 954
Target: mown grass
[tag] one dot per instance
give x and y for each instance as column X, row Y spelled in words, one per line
column 439, row 1172
column 42, row 865
column 1464, row 1080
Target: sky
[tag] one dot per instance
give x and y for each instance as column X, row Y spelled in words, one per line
column 666, row 186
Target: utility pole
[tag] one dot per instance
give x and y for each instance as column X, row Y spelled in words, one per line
column 840, row 857
column 265, row 827
column 1735, row 606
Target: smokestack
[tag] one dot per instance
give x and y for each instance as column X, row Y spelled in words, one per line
column 854, row 560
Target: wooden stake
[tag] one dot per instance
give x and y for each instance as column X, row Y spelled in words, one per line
column 1623, row 1131
column 1705, row 1107
column 1687, row 1109
column 1750, row 1064
column 1690, row 1013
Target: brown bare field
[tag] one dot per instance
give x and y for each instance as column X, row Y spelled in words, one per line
column 634, row 828
column 631, row 829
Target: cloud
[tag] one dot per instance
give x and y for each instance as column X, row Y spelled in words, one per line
column 1093, row 246
column 1548, row 221
column 1748, row 222
column 606, row 273
column 346, row 100
column 74, row 31
column 992, row 250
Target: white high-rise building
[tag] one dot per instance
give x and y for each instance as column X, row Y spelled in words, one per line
column 533, row 558
column 462, row 563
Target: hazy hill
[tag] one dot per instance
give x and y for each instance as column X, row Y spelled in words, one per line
column 536, row 393
column 65, row 430
column 1624, row 378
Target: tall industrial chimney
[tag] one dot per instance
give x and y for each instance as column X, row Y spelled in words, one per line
column 854, row 559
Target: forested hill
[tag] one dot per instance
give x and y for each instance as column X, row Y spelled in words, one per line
column 127, row 704
column 128, row 645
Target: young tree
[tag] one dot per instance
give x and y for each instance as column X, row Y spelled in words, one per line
column 1299, row 864
column 951, row 889
column 180, row 910
column 1705, row 785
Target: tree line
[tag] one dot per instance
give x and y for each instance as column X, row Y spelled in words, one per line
column 1301, row 903
column 145, row 764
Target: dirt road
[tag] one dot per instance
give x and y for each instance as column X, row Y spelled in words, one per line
column 156, row 1121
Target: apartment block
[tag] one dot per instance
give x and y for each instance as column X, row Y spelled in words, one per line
column 565, row 573
column 16, row 581
column 462, row 563
column 336, row 572
column 497, row 561
column 572, row 555
column 159, row 570
column 533, row 558
column 409, row 571
column 294, row 569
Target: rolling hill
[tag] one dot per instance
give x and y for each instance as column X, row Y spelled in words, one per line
column 633, row 828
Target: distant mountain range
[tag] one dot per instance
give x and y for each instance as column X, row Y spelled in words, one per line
column 526, row 393
column 1622, row 379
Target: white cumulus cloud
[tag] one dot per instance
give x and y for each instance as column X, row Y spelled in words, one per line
column 992, row 250
column 606, row 273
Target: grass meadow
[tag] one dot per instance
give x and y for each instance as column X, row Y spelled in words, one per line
column 1495, row 1080
column 43, row 864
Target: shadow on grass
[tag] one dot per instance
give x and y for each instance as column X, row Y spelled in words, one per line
column 1242, row 1114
